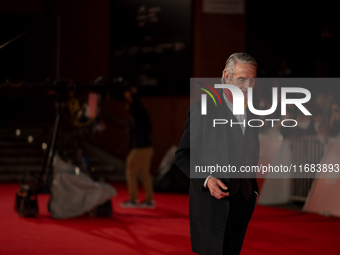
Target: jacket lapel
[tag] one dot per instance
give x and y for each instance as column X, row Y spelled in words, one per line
column 235, row 132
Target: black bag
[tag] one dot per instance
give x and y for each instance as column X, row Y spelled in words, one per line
column 103, row 210
column 26, row 203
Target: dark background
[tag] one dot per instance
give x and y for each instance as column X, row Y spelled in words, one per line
column 151, row 44
column 291, row 31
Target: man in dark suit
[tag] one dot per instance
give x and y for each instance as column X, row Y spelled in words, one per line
column 220, row 207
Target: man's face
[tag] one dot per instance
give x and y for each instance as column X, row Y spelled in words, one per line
column 243, row 77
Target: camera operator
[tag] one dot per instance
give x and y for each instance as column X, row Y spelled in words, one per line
column 139, row 159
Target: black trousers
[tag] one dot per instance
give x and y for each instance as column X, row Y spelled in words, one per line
column 240, row 212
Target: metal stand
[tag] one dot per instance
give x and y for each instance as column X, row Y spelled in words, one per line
column 26, row 203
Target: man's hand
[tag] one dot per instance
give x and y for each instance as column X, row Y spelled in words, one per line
column 214, row 185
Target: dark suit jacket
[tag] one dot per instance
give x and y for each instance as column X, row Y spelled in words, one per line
column 208, row 215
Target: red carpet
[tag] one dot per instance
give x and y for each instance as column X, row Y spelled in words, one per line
column 164, row 230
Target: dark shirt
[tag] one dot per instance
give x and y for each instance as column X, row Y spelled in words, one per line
column 140, row 126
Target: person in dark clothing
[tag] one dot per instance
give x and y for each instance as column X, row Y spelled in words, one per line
column 221, row 208
column 139, row 159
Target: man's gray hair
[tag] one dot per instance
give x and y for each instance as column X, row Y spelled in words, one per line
column 241, row 57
